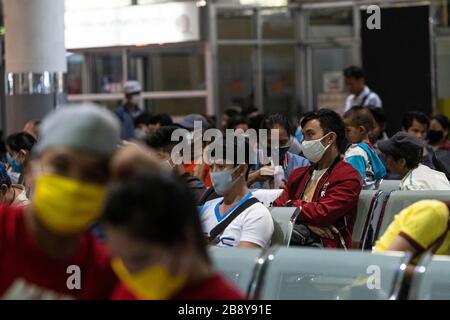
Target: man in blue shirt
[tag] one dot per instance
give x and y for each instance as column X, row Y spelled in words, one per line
column 130, row 109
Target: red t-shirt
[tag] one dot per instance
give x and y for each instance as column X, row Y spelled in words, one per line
column 213, row 288
column 28, row 273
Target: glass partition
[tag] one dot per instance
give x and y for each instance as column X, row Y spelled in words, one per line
column 279, row 79
column 168, row 69
column 236, row 76
column 236, row 24
column 330, row 23
column 277, row 24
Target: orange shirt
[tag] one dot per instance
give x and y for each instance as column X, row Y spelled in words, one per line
column 190, row 167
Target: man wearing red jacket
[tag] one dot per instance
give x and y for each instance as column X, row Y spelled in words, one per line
column 328, row 190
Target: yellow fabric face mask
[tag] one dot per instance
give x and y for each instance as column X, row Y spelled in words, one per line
column 153, row 283
column 67, row 206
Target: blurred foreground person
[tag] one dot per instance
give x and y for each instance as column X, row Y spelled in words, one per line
column 47, row 251
column 152, row 262
column 32, row 128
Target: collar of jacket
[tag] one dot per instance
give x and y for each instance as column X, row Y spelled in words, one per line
column 300, row 191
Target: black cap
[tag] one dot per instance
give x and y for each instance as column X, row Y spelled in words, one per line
column 401, row 144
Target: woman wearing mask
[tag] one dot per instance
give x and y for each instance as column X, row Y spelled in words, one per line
column 438, row 133
column 262, row 177
column 157, row 244
column 19, row 146
column 13, row 195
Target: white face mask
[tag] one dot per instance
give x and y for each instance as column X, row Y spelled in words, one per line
column 136, row 99
column 314, row 150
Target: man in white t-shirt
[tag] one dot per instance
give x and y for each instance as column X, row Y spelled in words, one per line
column 253, row 227
column 360, row 94
column 404, row 153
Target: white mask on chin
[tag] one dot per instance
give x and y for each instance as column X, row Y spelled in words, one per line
column 314, row 150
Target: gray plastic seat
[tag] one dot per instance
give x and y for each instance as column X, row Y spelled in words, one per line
column 367, row 202
column 398, row 200
column 305, row 273
column 389, row 185
column 431, row 280
column 386, row 186
column 238, row 265
column 284, row 219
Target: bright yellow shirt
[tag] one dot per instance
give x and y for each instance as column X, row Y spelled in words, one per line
column 421, row 224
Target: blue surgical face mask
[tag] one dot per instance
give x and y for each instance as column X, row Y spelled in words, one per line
column 16, row 167
column 281, row 153
column 299, row 134
column 222, row 181
column 9, row 158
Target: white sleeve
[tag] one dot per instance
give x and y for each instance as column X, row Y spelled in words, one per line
column 374, row 100
column 348, row 103
column 257, row 226
column 414, row 186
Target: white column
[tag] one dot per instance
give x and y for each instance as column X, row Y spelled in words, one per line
column 35, row 59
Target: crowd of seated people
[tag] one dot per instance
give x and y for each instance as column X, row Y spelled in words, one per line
column 79, row 188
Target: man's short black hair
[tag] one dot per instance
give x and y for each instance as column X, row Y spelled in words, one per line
column 154, row 207
column 236, row 120
column 162, row 139
column 354, row 72
column 330, row 121
column 412, row 159
column 232, row 111
column 241, row 152
column 443, row 120
column 19, row 141
column 273, row 119
column 143, row 118
column 378, row 114
column 410, row 116
column 163, row 119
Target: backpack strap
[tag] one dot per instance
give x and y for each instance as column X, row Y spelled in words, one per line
column 365, row 98
column 218, row 229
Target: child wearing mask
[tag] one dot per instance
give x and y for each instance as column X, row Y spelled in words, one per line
column 360, row 154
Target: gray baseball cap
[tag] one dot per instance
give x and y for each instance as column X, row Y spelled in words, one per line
column 188, row 121
column 85, row 127
column 401, row 144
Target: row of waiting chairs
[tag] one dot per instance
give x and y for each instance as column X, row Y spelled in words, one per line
column 281, row 273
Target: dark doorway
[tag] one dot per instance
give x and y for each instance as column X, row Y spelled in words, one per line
column 396, row 59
